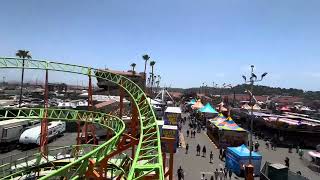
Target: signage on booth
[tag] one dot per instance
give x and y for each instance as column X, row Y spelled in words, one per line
column 172, row 118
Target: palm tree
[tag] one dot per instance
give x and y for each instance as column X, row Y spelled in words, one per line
column 24, row 55
column 152, row 63
column 133, row 65
column 145, row 58
column 158, row 82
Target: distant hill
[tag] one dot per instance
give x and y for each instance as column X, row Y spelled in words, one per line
column 257, row 90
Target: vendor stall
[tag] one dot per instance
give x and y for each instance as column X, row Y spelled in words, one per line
column 208, row 111
column 238, row 157
column 170, row 131
column 172, row 115
column 225, row 132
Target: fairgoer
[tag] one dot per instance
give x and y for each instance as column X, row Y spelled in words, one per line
column 204, row 150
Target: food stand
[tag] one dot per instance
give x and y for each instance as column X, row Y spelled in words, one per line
column 238, row 157
column 172, row 115
column 225, row 132
column 170, row 131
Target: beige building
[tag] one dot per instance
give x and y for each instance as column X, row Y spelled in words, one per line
column 138, row 78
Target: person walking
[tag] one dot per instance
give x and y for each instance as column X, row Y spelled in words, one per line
column 286, row 161
column 290, row 148
column 300, row 153
column 211, row 178
column 223, row 154
column 230, row 173
column 221, row 174
column 180, row 174
column 256, row 146
column 194, row 134
column 204, row 150
column 211, row 156
column 216, row 174
column 187, row 148
column 220, row 153
column 198, row 150
column 267, row 144
column 188, row 133
column 297, row 149
column 225, row 173
column 202, row 177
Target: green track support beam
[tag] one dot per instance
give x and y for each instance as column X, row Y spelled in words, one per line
column 105, row 120
column 140, row 167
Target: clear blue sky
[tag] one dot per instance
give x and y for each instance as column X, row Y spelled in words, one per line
column 191, row 41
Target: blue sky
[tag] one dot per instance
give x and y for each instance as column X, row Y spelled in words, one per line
column 191, row 41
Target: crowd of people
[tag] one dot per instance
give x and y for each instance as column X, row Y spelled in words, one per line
column 195, row 127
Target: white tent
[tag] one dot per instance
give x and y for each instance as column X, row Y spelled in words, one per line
column 153, row 102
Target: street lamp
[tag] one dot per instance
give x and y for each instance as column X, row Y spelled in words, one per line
column 253, row 78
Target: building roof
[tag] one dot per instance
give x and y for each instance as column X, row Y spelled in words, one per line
column 246, row 97
column 12, row 121
column 286, row 99
column 176, row 94
column 173, row 110
column 124, row 73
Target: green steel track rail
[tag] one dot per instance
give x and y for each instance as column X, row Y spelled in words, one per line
column 76, row 168
column 148, row 157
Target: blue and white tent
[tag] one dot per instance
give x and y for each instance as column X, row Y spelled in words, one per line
column 238, row 157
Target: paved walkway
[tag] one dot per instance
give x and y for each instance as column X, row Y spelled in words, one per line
column 194, row 166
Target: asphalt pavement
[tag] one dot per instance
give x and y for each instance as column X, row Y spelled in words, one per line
column 194, row 166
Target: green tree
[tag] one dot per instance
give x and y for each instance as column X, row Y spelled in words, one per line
column 146, row 59
column 133, row 65
column 24, row 55
column 152, row 63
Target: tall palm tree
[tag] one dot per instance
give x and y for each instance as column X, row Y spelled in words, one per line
column 158, row 82
column 24, row 55
column 133, row 65
column 152, row 63
column 146, row 59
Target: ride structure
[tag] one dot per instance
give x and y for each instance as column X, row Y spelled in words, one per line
column 147, row 162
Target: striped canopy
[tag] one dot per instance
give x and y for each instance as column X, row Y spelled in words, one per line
column 227, row 124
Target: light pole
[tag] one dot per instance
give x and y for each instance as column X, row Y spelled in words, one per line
column 251, row 81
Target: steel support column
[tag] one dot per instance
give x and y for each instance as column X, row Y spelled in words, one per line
column 134, row 124
column 170, row 144
column 121, row 102
column 44, row 122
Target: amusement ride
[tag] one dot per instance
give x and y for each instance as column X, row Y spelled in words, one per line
column 85, row 160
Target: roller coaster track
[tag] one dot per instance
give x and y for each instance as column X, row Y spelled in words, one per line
column 107, row 121
column 148, row 156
